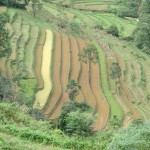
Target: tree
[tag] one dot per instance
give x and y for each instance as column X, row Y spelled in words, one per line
column 142, row 33
column 74, row 26
column 73, row 89
column 115, row 72
column 6, row 88
column 145, row 8
column 34, row 6
column 89, row 54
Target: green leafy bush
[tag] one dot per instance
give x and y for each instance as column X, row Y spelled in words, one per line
column 28, row 88
column 113, row 30
column 76, row 118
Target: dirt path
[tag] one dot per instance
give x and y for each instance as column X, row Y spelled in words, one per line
column 38, row 63
column 2, row 66
column 102, row 107
column 64, row 77
column 75, row 65
column 42, row 95
column 84, row 79
column 56, row 75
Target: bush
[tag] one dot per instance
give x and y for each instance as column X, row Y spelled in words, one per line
column 113, row 30
column 75, row 26
column 76, row 118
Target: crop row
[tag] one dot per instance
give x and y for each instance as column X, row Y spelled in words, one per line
column 115, row 109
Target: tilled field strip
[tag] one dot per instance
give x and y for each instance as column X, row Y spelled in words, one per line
column 39, row 60
column 102, row 107
column 84, row 79
column 42, row 95
column 56, row 75
column 64, row 76
column 75, row 65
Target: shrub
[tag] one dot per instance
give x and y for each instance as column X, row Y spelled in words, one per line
column 76, row 118
column 113, row 30
column 75, row 26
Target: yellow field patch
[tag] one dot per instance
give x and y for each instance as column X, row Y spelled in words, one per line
column 42, row 95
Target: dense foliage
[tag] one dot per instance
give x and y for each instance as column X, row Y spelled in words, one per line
column 73, row 89
column 14, row 3
column 15, row 121
column 76, row 118
column 6, row 89
column 113, row 30
column 142, row 33
column 129, row 8
column 5, row 47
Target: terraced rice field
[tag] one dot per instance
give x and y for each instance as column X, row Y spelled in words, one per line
column 67, row 67
column 50, row 59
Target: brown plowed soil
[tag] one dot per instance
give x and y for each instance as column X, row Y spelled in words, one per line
column 65, row 67
column 102, row 107
column 2, row 66
column 84, row 79
column 75, row 65
column 38, row 60
column 56, row 75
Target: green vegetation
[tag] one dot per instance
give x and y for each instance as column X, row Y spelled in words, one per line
column 73, row 89
column 113, row 30
column 28, row 88
column 5, row 48
column 19, row 124
column 76, row 119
